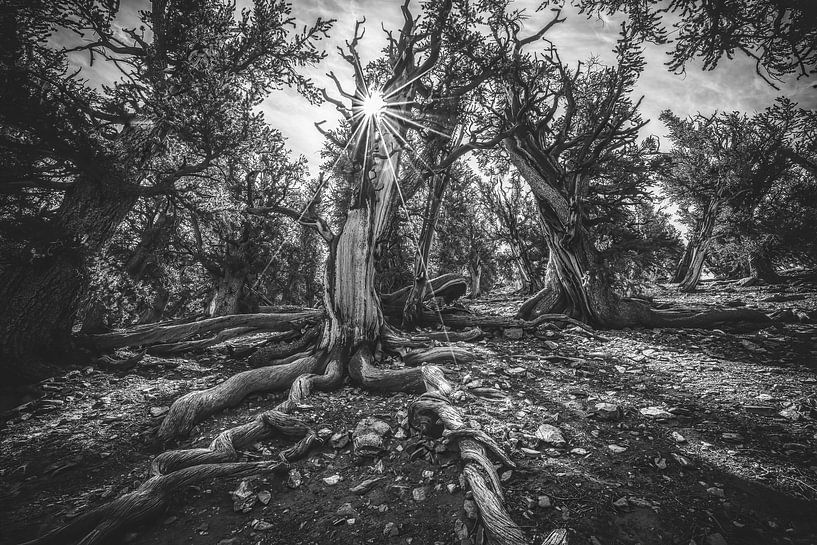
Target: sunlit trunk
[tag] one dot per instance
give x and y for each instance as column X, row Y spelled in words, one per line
column 700, row 245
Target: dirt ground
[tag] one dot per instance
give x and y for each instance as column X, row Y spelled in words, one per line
column 708, row 438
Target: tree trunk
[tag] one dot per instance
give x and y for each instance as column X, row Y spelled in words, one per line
column 576, row 282
column 700, row 244
column 228, row 293
column 761, row 266
column 475, row 272
column 683, row 264
column 411, row 311
column 155, row 309
column 41, row 291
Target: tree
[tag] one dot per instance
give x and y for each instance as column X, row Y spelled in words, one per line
column 79, row 158
column 780, row 36
column 721, row 166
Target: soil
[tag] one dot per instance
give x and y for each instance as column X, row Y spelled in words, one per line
column 714, row 442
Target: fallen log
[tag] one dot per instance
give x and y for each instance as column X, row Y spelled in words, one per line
column 175, row 333
column 450, row 287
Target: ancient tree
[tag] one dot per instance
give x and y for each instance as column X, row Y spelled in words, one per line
column 79, row 157
column 720, row 169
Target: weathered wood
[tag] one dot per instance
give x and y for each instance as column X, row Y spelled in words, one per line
column 181, row 332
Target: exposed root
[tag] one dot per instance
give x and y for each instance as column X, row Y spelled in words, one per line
column 192, row 408
column 440, row 354
column 462, row 321
column 169, row 349
column 121, row 365
column 278, row 349
column 181, row 332
column 365, row 374
column 450, row 287
column 395, row 342
column 478, row 470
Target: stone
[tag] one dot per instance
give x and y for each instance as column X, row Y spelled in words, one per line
column 678, row 438
column 158, row 411
column 530, row 452
column 451, row 487
column 551, row 435
column 420, row 493
column 294, row 479
column 470, row 508
column 513, row 333
column 732, row 437
column 346, row 510
column 391, row 530
column 370, row 436
column 339, row 440
column 243, row 497
column 516, row 372
column 715, row 491
column 621, row 503
column 607, row 411
column 365, row 486
column 264, row 497
column 657, row 413
column 578, row 451
column 544, row 502
column 261, row 525
column 332, row 480
column 616, row 449
column 683, row 461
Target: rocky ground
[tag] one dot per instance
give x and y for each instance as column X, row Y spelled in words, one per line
column 644, row 436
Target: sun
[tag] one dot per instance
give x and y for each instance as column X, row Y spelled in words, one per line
column 373, row 104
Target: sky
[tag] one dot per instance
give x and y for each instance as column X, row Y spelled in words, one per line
column 733, row 85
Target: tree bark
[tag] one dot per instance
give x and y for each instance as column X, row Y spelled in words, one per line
column 761, row 266
column 228, row 293
column 411, row 311
column 42, row 289
column 700, row 245
column 475, row 273
column 683, row 264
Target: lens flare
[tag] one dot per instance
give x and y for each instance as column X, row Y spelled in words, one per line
column 373, row 104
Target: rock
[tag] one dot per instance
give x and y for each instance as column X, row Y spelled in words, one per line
column 578, row 451
column 346, row 510
column 683, row 461
column 516, row 371
column 513, row 333
column 715, row 539
column 616, row 449
column 470, row 508
column 544, row 502
column 607, row 411
column 324, row 433
column 550, row 435
column 158, row 411
column 230, row 541
column 451, row 487
column 621, row 503
column 715, row 491
column 294, row 479
column 656, row 412
column 461, row 530
column 332, row 480
column 530, row 452
column 264, row 496
column 506, row 476
column 339, row 440
column 390, row 530
column 732, row 437
column 365, row 486
column 551, row 344
column 678, row 438
column 243, row 497
column 261, row 525
column 790, row 414
column 369, row 437
column 420, row 493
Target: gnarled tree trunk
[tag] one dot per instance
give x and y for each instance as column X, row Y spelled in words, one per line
column 42, row 288
column 700, row 244
column 411, row 310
